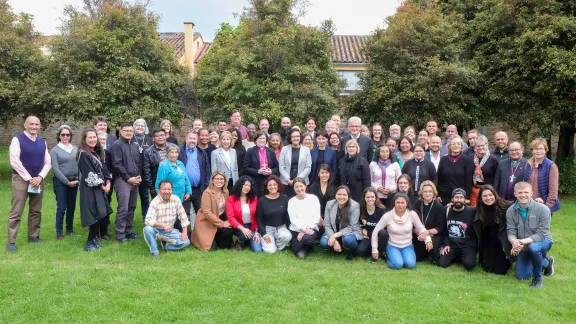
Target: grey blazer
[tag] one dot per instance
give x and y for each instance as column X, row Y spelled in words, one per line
column 330, row 219
column 304, row 163
column 218, row 163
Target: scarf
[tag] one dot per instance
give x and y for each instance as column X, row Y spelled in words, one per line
column 397, row 219
column 478, row 176
column 383, row 165
column 453, row 158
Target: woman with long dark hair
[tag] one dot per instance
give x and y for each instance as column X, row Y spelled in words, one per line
column 323, row 187
column 276, row 144
column 371, row 210
column 384, row 172
column 334, row 141
column 239, row 148
column 490, row 227
column 433, row 216
column 241, row 211
column 403, row 185
column 94, row 180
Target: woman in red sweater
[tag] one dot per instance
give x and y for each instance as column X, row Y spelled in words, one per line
column 241, row 212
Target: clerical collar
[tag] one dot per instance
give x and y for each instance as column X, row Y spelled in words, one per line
column 421, row 160
column 514, row 164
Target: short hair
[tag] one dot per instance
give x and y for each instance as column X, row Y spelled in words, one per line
column 197, row 119
column 100, row 119
column 482, row 138
column 517, row 142
column 420, row 146
column 298, row 180
column 506, row 134
column 260, row 134
column 158, row 130
column 142, row 121
column 203, row 129
column 432, row 121
column 331, row 122
column 309, row 119
column 290, row 132
column 193, row 132
column 354, row 119
column 401, row 195
column 213, row 129
column 537, row 141
column 222, row 121
column 322, row 133
column 222, row 135
column 354, row 143
column 101, row 133
column 394, row 126
column 62, row 127
column 427, row 183
column 522, row 185
column 409, row 141
column 234, row 111
column 449, row 142
column 472, row 131
column 163, row 182
column 409, row 127
column 274, row 178
column 171, row 147
column 124, row 125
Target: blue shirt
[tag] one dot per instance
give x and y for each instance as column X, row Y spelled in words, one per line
column 175, row 174
column 192, row 166
column 523, row 212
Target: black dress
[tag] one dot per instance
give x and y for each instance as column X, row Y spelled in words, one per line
column 432, row 216
column 354, row 173
column 94, row 204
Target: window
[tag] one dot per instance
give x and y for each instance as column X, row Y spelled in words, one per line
column 351, row 78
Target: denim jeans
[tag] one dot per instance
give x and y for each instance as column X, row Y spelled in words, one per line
column 150, row 237
column 65, row 204
column 531, row 263
column 255, row 247
column 401, row 257
column 348, row 241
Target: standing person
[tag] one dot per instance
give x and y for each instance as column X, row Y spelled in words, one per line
column 198, row 171
column 153, row 156
column 461, row 242
column 323, row 187
column 285, row 126
column 211, row 229
column 405, row 152
column 366, row 149
column 432, row 128
column 239, row 148
column 423, row 139
column 107, row 157
column 400, row 222
column 342, row 224
column 197, row 125
column 353, row 171
column 392, row 145
column 542, row 174
column 304, row 213
column 295, row 161
column 204, row 142
column 65, row 180
column 528, row 229
column 364, row 130
column 510, row 171
column 501, row 151
column 222, row 125
column 224, row 160
column 433, row 216
column 490, row 227
column 434, row 144
column 471, row 151
column 236, row 122
column 338, row 126
column 213, row 136
column 410, row 132
column 272, row 216
column 330, row 127
column 322, row 154
column 334, row 143
column 250, row 142
column 264, row 126
column 260, row 162
column 311, row 127
column 378, row 138
column 101, row 125
column 404, row 186
column 451, row 131
column 485, row 166
column 144, row 141
column 30, row 163
column 395, row 131
column 126, row 166
column 308, row 140
column 174, row 171
column 94, row 182
column 371, row 210
column 166, row 125
column 241, row 213
column 384, row 172
column 419, row 169
column 454, row 171
column 165, row 210
column 275, row 143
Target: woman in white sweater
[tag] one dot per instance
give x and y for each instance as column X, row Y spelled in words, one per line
column 384, row 172
column 400, row 223
column 304, row 213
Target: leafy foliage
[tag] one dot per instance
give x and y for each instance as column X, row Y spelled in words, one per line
column 269, row 66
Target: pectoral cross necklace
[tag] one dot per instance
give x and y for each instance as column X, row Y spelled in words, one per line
column 512, row 171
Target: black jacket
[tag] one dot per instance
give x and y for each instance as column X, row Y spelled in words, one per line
column 125, row 159
column 365, row 143
column 502, row 176
column 502, row 237
column 427, row 171
column 203, row 163
column 252, row 165
column 358, row 179
column 151, row 163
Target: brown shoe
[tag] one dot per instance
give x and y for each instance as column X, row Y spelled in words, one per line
column 60, row 237
column 238, row 246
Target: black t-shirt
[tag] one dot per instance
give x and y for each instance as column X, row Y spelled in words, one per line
column 320, row 159
column 460, row 227
column 294, row 162
column 209, row 149
column 371, row 220
column 271, row 212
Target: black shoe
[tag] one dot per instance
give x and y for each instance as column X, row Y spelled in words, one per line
column 132, row 236
column 549, row 270
column 35, row 240
column 372, row 260
column 350, row 256
column 90, row 246
column 11, row 247
column 96, row 242
column 536, row 283
column 123, row 240
column 105, row 237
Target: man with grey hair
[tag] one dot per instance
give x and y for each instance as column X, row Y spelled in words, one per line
column 264, row 125
column 395, row 131
column 365, row 143
column 330, row 127
column 510, row 171
column 501, row 150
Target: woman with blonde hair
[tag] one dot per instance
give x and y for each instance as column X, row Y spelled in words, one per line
column 542, row 174
column 433, row 216
column 166, row 125
column 224, row 159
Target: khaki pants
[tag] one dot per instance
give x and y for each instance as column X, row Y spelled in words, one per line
column 19, row 196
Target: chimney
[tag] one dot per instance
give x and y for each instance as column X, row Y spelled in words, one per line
column 189, row 48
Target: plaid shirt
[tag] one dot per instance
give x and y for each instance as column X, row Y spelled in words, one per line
column 166, row 212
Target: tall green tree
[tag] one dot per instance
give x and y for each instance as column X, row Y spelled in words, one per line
column 417, row 72
column 20, row 63
column 108, row 60
column 269, row 66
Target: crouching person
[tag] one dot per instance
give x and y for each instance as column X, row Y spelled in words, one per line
column 164, row 210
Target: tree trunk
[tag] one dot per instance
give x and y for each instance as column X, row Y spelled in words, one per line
column 566, row 141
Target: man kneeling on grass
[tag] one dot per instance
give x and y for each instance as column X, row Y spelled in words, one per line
column 164, row 211
column 528, row 227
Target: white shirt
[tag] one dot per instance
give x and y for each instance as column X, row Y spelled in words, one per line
column 227, row 157
column 304, row 212
column 434, row 160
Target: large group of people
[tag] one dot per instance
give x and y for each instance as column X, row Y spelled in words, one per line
column 407, row 198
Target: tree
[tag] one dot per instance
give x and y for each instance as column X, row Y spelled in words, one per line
column 20, row 63
column 269, row 66
column 108, row 60
column 417, row 72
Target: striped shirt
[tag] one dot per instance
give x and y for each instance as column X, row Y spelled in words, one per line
column 166, row 212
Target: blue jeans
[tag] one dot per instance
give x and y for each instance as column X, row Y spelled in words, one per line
column 255, row 247
column 65, row 204
column 348, row 241
column 150, row 237
column 531, row 263
column 401, row 257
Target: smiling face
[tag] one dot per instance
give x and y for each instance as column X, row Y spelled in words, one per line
column 196, row 125
column 261, row 141
column 451, row 130
column 377, row 131
column 370, row 198
column 351, row 148
column 458, row 200
column 264, row 125
column 272, row 187
column 102, row 139
column 203, row 137
column 172, row 155
column 139, row 129
column 336, row 119
column 515, row 150
column 501, row 139
column 539, row 151
column 246, row 187
column 310, row 125
column 405, row 145
column 251, row 130
column 354, row 128
column 523, row 194
column 300, row 189
column 435, row 144
column 419, row 153
column 226, row 141
column 307, row 141
column 214, row 136
column 432, row 128
column 334, row 141
column 285, row 122
column 167, row 128
column 394, row 131
column 324, row 175
column 481, row 147
column 455, row 146
column 384, row 153
column 65, row 136
column 321, row 141
column 222, row 126
column 427, row 194
column 166, row 191
column 488, row 198
column 235, row 137
column 409, row 132
column 403, row 185
column 218, row 181
column 275, row 142
column 91, row 139
column 391, row 145
column 191, row 140
column 423, row 137
column 32, row 125
column 236, row 119
column 342, row 197
column 101, row 126
column 295, row 138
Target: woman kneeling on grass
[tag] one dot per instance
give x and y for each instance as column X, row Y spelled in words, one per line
column 272, row 216
column 304, row 212
column 241, row 211
column 400, row 222
column 342, row 224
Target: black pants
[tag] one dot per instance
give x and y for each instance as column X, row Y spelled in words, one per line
column 223, row 239
column 466, row 254
column 306, row 241
column 364, row 249
column 101, row 226
column 196, row 198
column 420, row 248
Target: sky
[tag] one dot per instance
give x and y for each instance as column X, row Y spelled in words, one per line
column 358, row 17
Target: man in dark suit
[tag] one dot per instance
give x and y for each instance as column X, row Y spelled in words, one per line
column 510, row 171
column 365, row 143
column 101, row 125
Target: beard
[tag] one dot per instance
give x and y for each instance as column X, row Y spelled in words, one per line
column 458, row 205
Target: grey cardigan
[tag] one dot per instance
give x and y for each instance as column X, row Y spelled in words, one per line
column 64, row 164
column 218, row 163
column 330, row 219
column 536, row 226
column 304, row 163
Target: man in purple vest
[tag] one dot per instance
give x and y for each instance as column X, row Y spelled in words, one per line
column 30, row 163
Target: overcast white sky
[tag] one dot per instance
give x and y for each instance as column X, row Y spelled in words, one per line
column 358, row 17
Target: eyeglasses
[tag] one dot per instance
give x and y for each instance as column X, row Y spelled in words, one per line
column 515, row 150
column 65, row 135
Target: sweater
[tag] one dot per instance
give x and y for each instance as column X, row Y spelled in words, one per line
column 399, row 229
column 536, row 225
column 419, row 171
column 304, row 213
column 271, row 212
column 454, row 175
column 31, row 154
column 64, row 164
column 393, row 172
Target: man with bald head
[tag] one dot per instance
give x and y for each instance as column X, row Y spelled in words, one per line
column 451, row 131
column 501, row 150
column 30, row 163
column 510, row 171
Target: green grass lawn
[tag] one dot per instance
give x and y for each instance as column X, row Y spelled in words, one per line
column 58, row 282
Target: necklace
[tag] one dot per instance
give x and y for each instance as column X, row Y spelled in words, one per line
column 512, row 172
column 422, row 219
